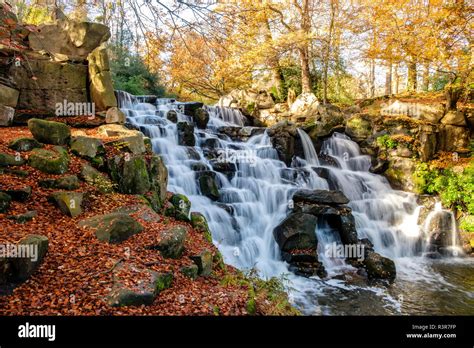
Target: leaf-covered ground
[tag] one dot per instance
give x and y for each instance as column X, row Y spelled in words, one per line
column 76, row 274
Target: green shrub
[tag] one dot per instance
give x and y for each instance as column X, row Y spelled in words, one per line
column 467, row 223
column 386, row 142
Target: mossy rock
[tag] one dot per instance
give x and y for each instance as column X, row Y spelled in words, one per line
column 5, row 201
column 199, row 222
column 163, row 281
column 69, row 182
column 359, row 127
column 158, row 174
column 172, row 240
column 95, row 178
column 204, row 262
column 87, row 147
column 23, row 218
column 19, row 194
column 48, row 161
column 114, row 227
column 181, row 207
column 190, row 271
column 10, row 160
column 49, row 132
column 24, row 144
column 70, row 203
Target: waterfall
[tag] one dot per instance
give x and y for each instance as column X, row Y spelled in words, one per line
column 310, row 154
column 255, row 197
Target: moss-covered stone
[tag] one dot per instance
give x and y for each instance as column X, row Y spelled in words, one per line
column 23, row 218
column 181, row 206
column 199, row 222
column 86, row 146
column 204, row 262
column 70, row 203
column 69, row 182
column 359, row 127
column 5, row 201
column 135, row 178
column 95, row 178
column 21, row 194
column 190, row 271
column 24, row 144
column 171, row 243
column 379, row 267
column 113, row 228
column 54, row 161
column 49, row 132
column 10, row 160
column 163, row 281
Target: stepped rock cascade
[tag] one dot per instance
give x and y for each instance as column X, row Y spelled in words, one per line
column 251, row 193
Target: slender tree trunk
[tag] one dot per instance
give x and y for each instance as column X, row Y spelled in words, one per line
column 397, row 79
column 274, row 64
column 372, row 79
column 306, row 84
column 388, row 80
column 426, row 78
column 328, row 52
column 412, row 76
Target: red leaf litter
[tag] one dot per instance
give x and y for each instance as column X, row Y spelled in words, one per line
column 76, row 274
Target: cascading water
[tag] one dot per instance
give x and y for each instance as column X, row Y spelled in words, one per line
column 255, row 199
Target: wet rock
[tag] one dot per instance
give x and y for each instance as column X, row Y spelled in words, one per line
column 54, row 161
column 440, row 230
column 378, row 166
column 69, row 182
column 297, row 231
column 172, row 115
column 24, row 144
column 285, row 140
column 49, row 132
column 208, row 184
column 68, row 202
column 186, row 134
column 180, row 207
column 112, row 228
column 201, row 118
column 320, row 196
column 226, row 168
column 199, row 223
column 379, row 267
column 189, row 108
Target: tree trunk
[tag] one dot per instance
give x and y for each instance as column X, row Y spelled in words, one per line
column 277, row 75
column 388, row 80
column 305, row 73
column 372, row 79
column 412, row 76
column 452, row 93
column 426, row 78
column 328, row 52
column 397, row 79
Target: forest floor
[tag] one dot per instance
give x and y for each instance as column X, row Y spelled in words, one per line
column 76, row 274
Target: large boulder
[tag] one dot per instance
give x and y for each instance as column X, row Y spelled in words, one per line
column 69, row 40
column 199, row 223
column 101, row 85
column 49, row 132
column 297, row 231
column 112, row 228
column 6, row 115
column 359, row 127
column 400, row 173
column 54, row 161
column 24, row 267
column 432, row 112
column 454, row 118
column 8, row 96
column 53, row 84
column 439, row 229
column 285, row 140
column 323, row 118
column 303, row 103
column 454, row 138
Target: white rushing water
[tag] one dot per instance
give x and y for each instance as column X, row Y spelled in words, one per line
column 256, row 198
